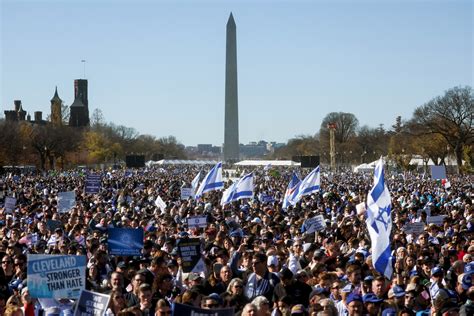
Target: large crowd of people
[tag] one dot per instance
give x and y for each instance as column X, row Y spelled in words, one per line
column 259, row 260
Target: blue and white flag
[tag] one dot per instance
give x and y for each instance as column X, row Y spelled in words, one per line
column 195, row 182
column 379, row 222
column 241, row 189
column 310, row 184
column 228, row 193
column 212, row 181
column 290, row 190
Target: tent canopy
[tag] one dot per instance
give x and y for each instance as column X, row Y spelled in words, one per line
column 180, row 162
column 288, row 163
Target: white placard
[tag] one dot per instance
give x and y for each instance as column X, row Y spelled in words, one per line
column 197, row 221
column 361, row 208
column 10, row 204
column 186, row 193
column 66, row 201
column 437, row 220
column 314, row 224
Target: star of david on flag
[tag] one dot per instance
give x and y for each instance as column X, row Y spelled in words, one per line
column 379, row 222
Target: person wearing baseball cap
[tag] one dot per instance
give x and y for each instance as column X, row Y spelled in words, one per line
column 469, row 268
column 464, row 282
column 372, row 304
column 354, row 304
column 396, row 297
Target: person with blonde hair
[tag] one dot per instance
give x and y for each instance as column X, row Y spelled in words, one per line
column 249, row 310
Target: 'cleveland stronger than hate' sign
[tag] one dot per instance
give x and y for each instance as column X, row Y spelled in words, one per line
column 56, row 276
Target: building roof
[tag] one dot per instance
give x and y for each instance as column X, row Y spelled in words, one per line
column 77, row 103
column 56, row 96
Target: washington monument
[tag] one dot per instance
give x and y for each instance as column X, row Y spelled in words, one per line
column 231, row 129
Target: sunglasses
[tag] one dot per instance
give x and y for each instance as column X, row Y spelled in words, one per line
column 212, row 305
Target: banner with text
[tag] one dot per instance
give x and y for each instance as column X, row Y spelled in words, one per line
column 414, row 228
column 437, row 220
column 314, row 224
column 66, row 201
column 92, row 184
column 186, row 193
column 190, row 253
column 56, row 276
column 125, row 241
column 91, row 304
column 10, row 203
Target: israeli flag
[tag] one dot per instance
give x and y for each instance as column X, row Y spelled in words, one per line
column 310, row 184
column 290, row 190
column 379, row 222
column 212, row 181
column 228, row 193
column 195, row 182
column 242, row 189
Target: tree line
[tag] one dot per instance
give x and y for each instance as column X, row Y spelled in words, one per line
column 441, row 128
column 59, row 147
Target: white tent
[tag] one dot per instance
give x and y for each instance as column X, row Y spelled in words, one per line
column 180, row 162
column 364, row 167
column 287, row 163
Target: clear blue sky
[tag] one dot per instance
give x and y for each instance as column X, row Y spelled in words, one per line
column 158, row 66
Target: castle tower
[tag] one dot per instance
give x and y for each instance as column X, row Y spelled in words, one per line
column 77, row 114
column 21, row 114
column 81, row 91
column 231, row 128
column 56, row 103
column 79, row 110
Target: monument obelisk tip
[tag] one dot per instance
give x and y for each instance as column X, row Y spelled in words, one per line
column 231, row 20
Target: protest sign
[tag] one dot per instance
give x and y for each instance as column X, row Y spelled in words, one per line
column 125, row 241
column 92, row 304
column 197, row 221
column 10, row 203
column 56, row 276
column 414, row 228
column 314, row 224
column 92, row 184
column 66, row 201
column 438, row 172
column 181, row 309
column 190, row 253
column 186, row 193
column 29, row 240
column 437, row 220
column 53, row 307
column 360, row 208
column 266, row 198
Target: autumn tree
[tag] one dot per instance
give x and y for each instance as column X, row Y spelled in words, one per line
column 451, row 116
column 303, row 145
column 12, row 144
